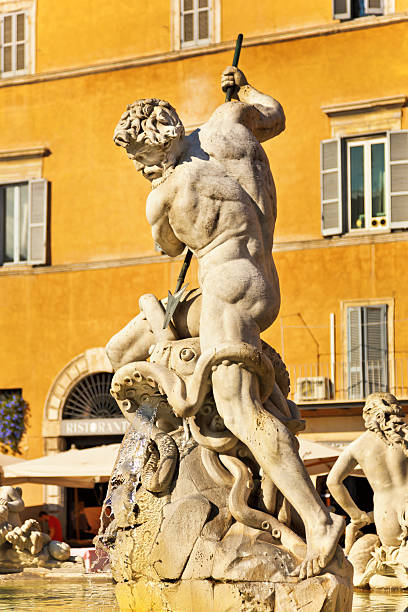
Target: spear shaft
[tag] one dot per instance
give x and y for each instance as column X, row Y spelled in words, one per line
column 173, row 300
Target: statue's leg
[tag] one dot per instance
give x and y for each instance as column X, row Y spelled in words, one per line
column 274, row 447
column 132, row 343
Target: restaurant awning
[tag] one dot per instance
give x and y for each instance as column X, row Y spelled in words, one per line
column 73, row 468
column 84, row 468
column 317, row 458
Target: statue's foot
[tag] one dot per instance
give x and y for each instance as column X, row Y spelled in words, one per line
column 321, row 540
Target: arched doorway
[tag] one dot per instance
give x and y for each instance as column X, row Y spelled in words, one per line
column 80, row 411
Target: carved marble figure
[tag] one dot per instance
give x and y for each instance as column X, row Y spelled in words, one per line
column 11, row 504
column 212, row 384
column 24, row 544
column 382, row 452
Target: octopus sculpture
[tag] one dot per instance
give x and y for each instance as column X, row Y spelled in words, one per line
column 187, row 500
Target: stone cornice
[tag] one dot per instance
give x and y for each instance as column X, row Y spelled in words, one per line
column 364, row 106
column 326, row 29
column 279, row 247
column 341, row 241
column 26, row 153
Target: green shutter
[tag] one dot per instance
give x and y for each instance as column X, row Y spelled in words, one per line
column 2, row 223
column 367, row 350
column 38, row 222
column 375, row 348
column 331, row 190
column 355, row 383
column 398, row 181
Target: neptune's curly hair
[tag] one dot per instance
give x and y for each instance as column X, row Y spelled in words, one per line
column 148, row 121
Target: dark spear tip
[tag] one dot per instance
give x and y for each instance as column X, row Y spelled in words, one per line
column 235, row 61
column 183, row 270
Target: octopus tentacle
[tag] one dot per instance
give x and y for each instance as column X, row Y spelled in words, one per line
column 219, row 441
column 187, row 397
column 215, row 469
column 158, row 472
column 238, row 498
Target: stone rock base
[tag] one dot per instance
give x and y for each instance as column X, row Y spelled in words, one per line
column 326, row 593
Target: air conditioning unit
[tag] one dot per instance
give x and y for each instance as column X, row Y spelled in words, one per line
column 312, row 388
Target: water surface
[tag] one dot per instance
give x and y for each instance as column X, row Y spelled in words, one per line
column 29, row 595
column 39, row 595
column 380, row 602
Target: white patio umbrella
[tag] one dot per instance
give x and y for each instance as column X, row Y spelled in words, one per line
column 9, row 460
column 73, row 468
column 84, row 468
column 318, row 459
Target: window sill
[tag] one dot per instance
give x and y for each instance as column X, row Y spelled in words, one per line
column 367, row 232
column 194, row 44
column 360, row 19
column 8, row 268
column 12, row 75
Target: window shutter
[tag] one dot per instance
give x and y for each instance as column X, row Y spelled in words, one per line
column 331, row 191
column 37, row 233
column 375, row 350
column 398, row 191
column 373, row 7
column 354, row 352
column 2, row 223
column 341, row 9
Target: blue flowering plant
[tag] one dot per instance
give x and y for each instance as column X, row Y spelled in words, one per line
column 14, row 412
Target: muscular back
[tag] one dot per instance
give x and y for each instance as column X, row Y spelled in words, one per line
column 222, row 187
column 384, row 465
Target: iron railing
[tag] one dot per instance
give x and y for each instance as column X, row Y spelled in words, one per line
column 337, row 380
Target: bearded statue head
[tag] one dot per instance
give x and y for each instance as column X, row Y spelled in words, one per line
column 149, row 130
column 384, row 416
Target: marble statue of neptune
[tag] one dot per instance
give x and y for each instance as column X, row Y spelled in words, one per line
column 213, row 192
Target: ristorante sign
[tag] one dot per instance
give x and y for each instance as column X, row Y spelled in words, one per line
column 93, row 427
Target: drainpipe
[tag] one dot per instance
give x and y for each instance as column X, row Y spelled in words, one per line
column 333, row 352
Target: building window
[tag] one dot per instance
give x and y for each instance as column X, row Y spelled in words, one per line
column 366, row 172
column 195, row 22
column 353, row 9
column 17, row 37
column 16, row 223
column 367, row 350
column 364, row 184
column 23, row 220
column 14, row 44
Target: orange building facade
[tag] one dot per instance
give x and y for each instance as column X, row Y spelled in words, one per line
column 76, row 249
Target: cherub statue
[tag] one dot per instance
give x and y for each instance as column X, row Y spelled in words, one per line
column 213, row 192
column 23, row 544
column 382, row 453
column 11, row 504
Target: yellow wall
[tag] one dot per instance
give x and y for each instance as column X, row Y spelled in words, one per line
column 98, row 198
column 259, row 18
column 74, row 33
column 62, row 314
column 77, row 33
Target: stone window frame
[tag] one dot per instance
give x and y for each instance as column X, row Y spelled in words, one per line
column 365, row 120
column 390, row 303
column 29, row 8
column 345, row 12
column 214, row 26
column 26, row 166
